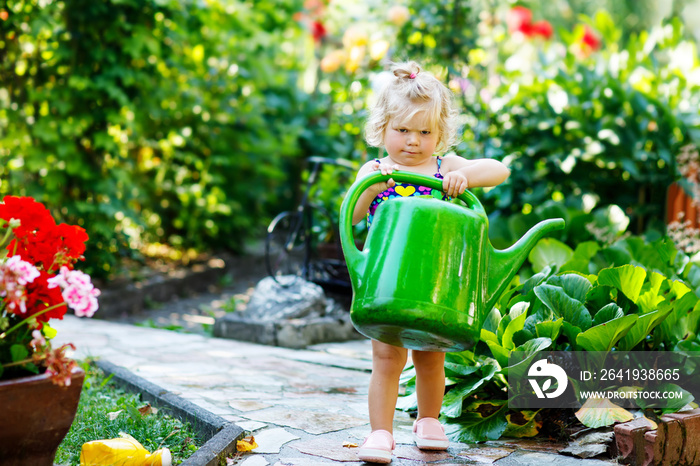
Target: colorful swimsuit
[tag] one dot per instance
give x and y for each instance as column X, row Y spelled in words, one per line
column 406, row 190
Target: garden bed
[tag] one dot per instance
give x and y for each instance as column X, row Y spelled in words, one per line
column 194, row 436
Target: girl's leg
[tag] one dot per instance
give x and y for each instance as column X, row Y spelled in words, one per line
column 430, row 382
column 430, row 390
column 387, row 363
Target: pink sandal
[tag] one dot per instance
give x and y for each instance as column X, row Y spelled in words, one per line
column 377, row 447
column 429, row 434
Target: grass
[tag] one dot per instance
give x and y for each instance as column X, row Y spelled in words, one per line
column 100, row 397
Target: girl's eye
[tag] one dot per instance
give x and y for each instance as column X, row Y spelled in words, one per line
column 402, row 130
column 425, row 132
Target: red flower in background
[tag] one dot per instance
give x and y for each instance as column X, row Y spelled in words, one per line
column 311, row 18
column 590, row 40
column 542, row 28
column 318, row 31
column 519, row 19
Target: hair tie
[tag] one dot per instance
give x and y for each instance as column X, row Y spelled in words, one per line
column 412, row 76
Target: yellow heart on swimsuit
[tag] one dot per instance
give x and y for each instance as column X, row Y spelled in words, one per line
column 405, row 190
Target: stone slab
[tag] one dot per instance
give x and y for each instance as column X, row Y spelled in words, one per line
column 308, row 421
column 289, row 333
column 272, row 440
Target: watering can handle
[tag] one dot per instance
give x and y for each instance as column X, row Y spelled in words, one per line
column 356, row 190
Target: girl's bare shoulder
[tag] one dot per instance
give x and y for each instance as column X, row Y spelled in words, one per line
column 454, row 162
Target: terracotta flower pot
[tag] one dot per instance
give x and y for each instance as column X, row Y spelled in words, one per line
column 36, row 416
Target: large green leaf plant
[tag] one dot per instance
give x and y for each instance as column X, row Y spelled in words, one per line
column 633, row 295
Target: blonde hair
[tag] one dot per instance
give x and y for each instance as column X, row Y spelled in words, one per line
column 408, row 92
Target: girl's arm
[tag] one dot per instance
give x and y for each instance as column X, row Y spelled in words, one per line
column 373, row 191
column 460, row 174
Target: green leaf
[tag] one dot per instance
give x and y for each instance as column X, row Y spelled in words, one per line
column 500, row 353
column 627, row 278
column 408, row 402
column 492, row 320
column 525, row 354
column 548, row 252
column 576, row 286
column 19, row 352
column 604, row 336
column 550, row 328
column 650, row 297
column 459, row 370
column 454, row 398
column 571, row 332
column 481, row 421
column 682, row 321
column 607, row 313
column 643, row 327
column 556, row 299
column 515, row 325
column 488, row 336
column 672, row 404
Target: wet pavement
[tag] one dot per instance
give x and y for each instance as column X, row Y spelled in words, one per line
column 304, row 407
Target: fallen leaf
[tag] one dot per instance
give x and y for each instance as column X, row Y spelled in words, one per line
column 599, row 412
column 147, row 409
column 247, row 444
column 347, row 444
column 114, row 414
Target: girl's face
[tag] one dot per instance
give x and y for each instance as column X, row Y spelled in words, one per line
column 411, row 142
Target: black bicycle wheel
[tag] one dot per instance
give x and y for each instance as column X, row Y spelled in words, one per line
column 285, row 247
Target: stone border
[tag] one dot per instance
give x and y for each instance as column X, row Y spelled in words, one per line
column 220, row 434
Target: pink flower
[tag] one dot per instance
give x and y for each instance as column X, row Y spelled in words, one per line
column 24, row 271
column 15, row 274
column 77, row 290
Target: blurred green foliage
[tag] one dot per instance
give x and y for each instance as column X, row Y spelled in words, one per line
column 151, row 121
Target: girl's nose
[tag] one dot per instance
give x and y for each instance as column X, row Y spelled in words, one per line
column 412, row 137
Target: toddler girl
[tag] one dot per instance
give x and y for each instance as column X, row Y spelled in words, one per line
column 414, row 118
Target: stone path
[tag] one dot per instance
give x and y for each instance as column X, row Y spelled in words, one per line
column 302, row 406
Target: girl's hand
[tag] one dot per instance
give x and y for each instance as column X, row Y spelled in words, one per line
column 385, row 169
column 455, row 183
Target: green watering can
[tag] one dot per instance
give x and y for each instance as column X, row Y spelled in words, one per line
column 427, row 275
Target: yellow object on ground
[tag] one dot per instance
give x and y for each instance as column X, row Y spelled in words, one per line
column 123, row 451
column 246, row 444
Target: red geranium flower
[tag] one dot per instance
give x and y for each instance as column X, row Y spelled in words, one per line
column 31, row 292
column 518, row 18
column 32, row 215
column 40, row 297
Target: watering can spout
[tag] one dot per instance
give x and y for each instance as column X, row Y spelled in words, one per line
column 503, row 265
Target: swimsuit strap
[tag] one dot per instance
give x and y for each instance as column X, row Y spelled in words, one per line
column 439, row 162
